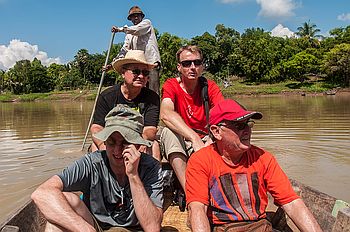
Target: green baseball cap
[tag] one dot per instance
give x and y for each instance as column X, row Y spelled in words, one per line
column 127, row 121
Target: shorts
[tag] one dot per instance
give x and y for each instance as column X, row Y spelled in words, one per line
column 171, row 142
column 114, row 229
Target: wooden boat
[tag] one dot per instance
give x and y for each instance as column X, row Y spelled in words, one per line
column 332, row 214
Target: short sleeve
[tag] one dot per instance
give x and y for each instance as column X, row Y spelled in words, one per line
column 197, row 178
column 152, row 179
column 76, row 177
column 277, row 182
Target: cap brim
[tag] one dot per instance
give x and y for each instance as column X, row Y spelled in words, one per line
column 118, row 64
column 250, row 114
column 129, row 135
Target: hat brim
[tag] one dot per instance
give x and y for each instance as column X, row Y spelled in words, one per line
column 142, row 14
column 249, row 114
column 118, row 64
column 129, row 135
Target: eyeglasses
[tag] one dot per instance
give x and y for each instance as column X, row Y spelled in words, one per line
column 237, row 125
column 137, row 72
column 188, row 63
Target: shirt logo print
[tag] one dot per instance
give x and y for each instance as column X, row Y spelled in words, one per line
column 189, row 111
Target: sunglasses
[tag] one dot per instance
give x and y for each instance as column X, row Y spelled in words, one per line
column 237, row 125
column 137, row 72
column 188, row 63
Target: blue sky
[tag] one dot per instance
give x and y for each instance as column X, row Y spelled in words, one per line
column 54, row 31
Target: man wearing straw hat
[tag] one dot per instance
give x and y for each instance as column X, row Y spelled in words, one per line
column 135, row 71
column 141, row 36
column 121, row 187
column 227, row 182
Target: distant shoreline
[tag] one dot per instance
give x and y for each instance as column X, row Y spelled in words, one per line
column 77, row 95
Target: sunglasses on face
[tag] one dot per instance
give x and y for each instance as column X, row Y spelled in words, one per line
column 188, row 63
column 137, row 72
column 237, row 125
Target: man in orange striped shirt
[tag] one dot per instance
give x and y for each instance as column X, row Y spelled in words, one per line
column 227, row 182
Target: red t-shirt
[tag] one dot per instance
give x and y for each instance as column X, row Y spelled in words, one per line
column 190, row 106
column 236, row 193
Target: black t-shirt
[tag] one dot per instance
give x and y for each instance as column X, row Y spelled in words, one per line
column 147, row 103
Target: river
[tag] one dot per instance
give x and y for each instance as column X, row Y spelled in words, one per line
column 309, row 136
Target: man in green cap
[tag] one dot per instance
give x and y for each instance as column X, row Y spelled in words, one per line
column 121, row 187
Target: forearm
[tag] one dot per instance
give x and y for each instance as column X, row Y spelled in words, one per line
column 149, row 132
column 301, row 216
column 149, row 215
column 56, row 209
column 198, row 217
column 98, row 143
column 140, row 29
column 174, row 122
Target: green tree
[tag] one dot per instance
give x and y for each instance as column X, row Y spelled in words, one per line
column 56, row 72
column 257, row 54
column 168, row 45
column 207, row 43
column 38, row 80
column 308, row 30
column 337, row 64
column 18, row 76
column 299, row 65
column 227, row 42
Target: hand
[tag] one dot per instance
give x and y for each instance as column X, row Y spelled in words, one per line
column 143, row 149
column 117, row 29
column 106, row 68
column 131, row 159
column 197, row 144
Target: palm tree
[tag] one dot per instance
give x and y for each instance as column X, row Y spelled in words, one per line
column 308, row 30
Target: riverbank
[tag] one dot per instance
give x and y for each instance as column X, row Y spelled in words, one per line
column 236, row 88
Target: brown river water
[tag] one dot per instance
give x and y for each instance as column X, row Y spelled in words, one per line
column 309, row 136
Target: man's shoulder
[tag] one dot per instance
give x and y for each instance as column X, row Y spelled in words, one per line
column 261, row 154
column 96, row 156
column 148, row 161
column 110, row 90
column 172, row 80
column 149, row 165
column 148, row 93
column 148, row 97
column 171, row 84
column 205, row 153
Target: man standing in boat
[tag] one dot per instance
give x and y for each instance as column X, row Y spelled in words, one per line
column 227, row 182
column 141, row 36
column 135, row 71
column 121, row 187
column 183, row 112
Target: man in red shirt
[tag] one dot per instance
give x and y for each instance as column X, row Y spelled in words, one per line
column 182, row 110
column 228, row 181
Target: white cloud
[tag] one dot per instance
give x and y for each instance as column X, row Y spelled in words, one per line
column 280, row 31
column 18, row 50
column 344, row 17
column 276, row 8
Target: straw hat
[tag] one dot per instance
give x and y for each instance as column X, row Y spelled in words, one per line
column 131, row 57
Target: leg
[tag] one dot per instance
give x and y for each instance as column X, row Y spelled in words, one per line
column 178, row 162
column 156, row 150
column 174, row 151
column 78, row 206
